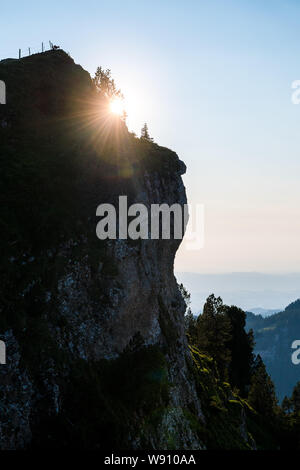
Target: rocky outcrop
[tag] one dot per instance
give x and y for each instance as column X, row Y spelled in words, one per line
column 97, row 355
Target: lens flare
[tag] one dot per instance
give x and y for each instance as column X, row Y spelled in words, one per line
column 117, row 106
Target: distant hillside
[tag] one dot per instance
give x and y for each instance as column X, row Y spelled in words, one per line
column 247, row 290
column 274, row 336
column 265, row 312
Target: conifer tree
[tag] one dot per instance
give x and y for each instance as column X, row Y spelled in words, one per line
column 145, row 133
column 295, row 399
column 213, row 333
column 262, row 391
column 189, row 319
column 287, row 406
column 241, row 345
column 105, row 84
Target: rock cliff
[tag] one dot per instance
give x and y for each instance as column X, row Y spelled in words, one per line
column 96, row 350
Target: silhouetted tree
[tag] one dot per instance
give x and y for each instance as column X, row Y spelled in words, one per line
column 287, row 406
column 290, row 424
column 262, row 391
column 105, row 84
column 214, row 333
column 241, row 346
column 145, row 133
column 190, row 324
column 189, row 319
column 295, row 398
column 185, row 294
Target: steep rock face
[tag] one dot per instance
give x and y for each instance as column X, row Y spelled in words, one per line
column 16, row 399
column 97, row 355
column 70, row 300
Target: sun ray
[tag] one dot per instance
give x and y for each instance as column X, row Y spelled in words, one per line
column 117, row 106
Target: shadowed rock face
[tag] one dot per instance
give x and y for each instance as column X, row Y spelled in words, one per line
column 71, row 302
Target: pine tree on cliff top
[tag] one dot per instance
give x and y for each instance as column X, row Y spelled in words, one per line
column 145, row 133
column 105, row 84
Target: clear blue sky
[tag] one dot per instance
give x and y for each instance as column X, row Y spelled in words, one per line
column 213, row 81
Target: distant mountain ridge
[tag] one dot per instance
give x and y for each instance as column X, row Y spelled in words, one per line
column 264, row 312
column 274, row 336
column 245, row 289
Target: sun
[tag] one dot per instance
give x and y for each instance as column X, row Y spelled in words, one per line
column 117, row 106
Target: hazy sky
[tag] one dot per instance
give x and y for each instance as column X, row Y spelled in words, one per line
column 213, row 81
